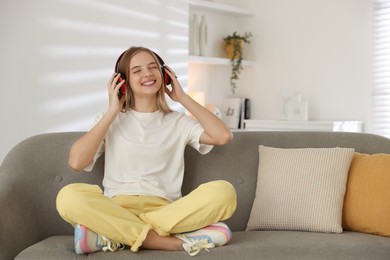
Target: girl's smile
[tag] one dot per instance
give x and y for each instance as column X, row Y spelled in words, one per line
column 149, row 83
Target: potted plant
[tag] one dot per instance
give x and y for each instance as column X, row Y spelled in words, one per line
column 233, row 48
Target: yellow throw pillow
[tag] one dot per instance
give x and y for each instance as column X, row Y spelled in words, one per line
column 367, row 198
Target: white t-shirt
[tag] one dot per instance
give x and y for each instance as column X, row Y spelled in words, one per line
column 144, row 153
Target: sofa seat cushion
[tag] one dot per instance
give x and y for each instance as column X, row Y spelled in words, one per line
column 244, row 245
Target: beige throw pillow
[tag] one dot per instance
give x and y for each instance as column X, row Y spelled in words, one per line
column 300, row 189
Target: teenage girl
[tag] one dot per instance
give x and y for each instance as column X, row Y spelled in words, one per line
column 144, row 141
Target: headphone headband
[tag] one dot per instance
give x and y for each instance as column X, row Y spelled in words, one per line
column 166, row 77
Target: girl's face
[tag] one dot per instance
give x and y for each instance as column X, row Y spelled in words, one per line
column 144, row 75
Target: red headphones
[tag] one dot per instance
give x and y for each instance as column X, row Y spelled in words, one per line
column 122, row 77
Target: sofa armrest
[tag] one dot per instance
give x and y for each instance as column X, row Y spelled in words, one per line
column 31, row 176
column 18, row 225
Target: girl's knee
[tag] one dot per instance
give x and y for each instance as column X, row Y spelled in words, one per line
column 69, row 192
column 224, row 188
column 222, row 191
column 73, row 196
column 224, row 198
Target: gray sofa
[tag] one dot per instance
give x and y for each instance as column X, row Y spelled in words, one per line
column 36, row 169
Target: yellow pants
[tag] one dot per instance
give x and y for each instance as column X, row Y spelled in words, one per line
column 128, row 219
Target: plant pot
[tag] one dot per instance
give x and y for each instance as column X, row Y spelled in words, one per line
column 230, row 46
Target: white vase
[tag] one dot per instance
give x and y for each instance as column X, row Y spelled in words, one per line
column 203, row 36
column 194, row 36
column 297, row 108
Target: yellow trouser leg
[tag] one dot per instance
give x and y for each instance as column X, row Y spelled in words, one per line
column 86, row 205
column 128, row 219
column 209, row 203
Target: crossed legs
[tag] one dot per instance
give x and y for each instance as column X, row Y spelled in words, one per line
column 142, row 220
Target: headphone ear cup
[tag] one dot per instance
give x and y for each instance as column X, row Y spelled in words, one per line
column 122, row 89
column 166, row 77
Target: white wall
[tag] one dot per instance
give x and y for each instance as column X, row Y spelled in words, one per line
column 321, row 49
column 57, row 56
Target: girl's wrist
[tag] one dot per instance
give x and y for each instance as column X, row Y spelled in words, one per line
column 183, row 98
column 112, row 112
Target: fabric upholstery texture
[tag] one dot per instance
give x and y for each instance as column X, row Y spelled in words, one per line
column 367, row 199
column 263, row 245
column 300, row 189
column 35, row 170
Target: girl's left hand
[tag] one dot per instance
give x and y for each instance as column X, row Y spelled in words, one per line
column 177, row 91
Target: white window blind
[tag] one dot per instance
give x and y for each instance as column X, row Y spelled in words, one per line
column 381, row 91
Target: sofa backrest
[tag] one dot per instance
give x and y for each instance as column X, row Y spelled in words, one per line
column 36, row 169
column 237, row 162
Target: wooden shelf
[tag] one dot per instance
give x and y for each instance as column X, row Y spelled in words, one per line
column 203, row 5
column 216, row 61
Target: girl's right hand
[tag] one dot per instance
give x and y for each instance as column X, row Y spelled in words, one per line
column 114, row 103
column 85, row 148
